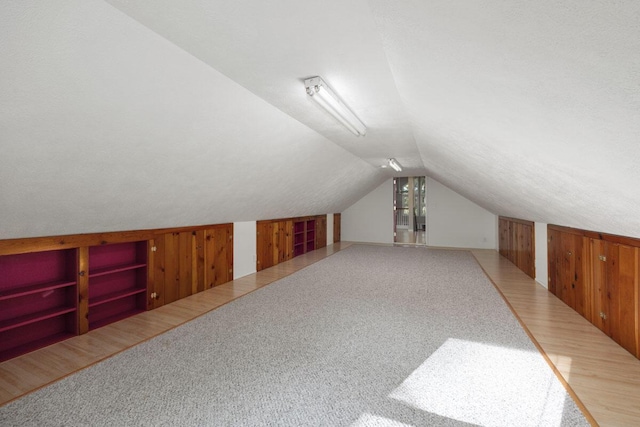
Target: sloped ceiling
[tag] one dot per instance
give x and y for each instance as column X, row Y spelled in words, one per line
column 139, row 113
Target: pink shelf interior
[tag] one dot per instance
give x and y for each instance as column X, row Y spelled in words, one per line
column 119, row 282
column 35, row 335
column 115, row 310
column 31, row 305
column 34, row 289
column 102, row 258
column 115, row 269
column 38, row 268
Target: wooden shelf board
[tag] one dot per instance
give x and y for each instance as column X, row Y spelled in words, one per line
column 16, row 322
column 34, row 289
column 115, row 296
column 115, row 269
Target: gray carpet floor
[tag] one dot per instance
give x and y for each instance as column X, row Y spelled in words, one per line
column 371, row 336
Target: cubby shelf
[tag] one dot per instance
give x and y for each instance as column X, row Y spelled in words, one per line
column 34, row 289
column 27, row 319
column 115, row 296
column 117, row 282
column 38, row 300
column 116, row 269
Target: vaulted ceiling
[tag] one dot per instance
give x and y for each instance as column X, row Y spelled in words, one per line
column 127, row 114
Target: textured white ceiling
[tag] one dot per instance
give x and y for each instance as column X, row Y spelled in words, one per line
column 139, row 113
column 531, row 109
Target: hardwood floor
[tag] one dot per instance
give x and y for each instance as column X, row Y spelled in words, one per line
column 34, row 370
column 603, row 377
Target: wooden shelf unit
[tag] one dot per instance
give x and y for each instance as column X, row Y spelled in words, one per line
column 117, row 282
column 38, row 300
column 299, row 238
column 280, row 240
column 517, row 243
column 55, row 287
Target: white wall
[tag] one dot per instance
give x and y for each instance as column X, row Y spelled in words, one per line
column 107, row 126
column 542, row 273
column 370, row 219
column 454, row 221
column 244, row 248
column 329, row 229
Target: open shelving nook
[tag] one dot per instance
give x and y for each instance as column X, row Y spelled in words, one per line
column 304, row 236
column 38, row 300
column 117, row 282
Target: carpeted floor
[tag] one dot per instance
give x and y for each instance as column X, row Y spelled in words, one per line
column 371, row 336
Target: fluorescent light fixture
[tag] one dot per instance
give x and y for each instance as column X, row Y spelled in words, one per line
column 320, row 92
column 395, row 165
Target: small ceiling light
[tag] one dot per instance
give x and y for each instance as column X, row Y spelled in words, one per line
column 321, row 93
column 395, row 165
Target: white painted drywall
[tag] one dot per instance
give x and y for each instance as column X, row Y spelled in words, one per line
column 244, row 248
column 453, row 221
column 370, row 219
column 107, row 126
column 329, row 229
column 542, row 270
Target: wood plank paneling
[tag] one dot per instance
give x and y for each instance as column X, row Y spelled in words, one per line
column 337, row 227
column 275, row 239
column 199, row 262
column 599, row 279
column 172, row 268
column 38, row 244
column 321, row 231
column 159, row 276
column 185, row 265
column 553, row 237
column 621, row 293
column 83, row 290
column 264, row 236
column 516, row 242
column 219, row 256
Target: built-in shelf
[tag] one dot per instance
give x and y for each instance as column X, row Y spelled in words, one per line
column 116, row 269
column 38, row 300
column 27, row 319
column 115, row 296
column 117, row 282
column 34, row 289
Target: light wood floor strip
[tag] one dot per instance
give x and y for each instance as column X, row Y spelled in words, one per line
column 603, row 376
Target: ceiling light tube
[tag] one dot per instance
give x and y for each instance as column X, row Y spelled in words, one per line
column 395, row 165
column 320, row 92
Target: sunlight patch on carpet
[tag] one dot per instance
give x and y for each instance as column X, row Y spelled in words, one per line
column 485, row 385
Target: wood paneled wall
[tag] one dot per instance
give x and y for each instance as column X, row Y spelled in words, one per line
column 517, row 243
column 188, row 262
column 598, row 276
column 275, row 239
column 181, row 261
column 274, row 242
column 336, row 227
